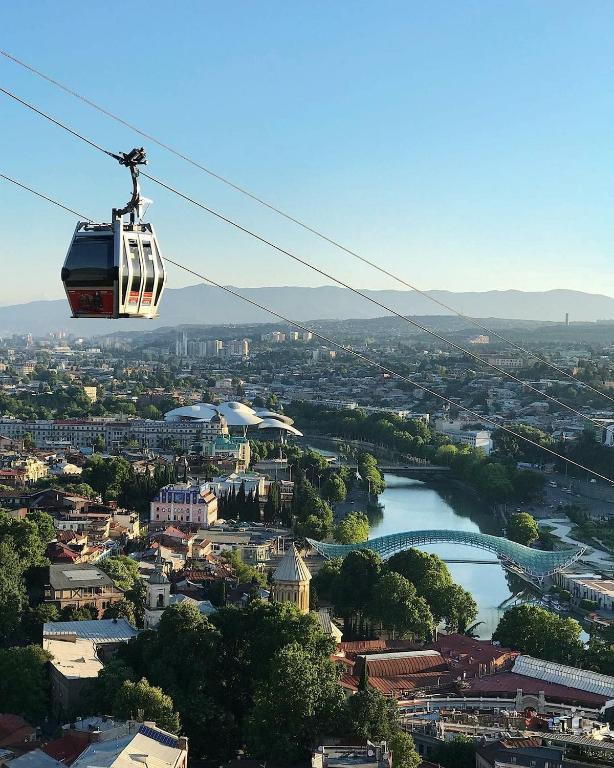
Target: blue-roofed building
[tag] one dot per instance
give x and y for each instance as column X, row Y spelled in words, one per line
column 141, row 744
column 101, row 631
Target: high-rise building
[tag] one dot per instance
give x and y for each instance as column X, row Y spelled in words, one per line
column 181, row 345
column 239, row 348
column 215, row 348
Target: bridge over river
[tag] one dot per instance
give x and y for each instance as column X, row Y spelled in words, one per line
column 534, row 563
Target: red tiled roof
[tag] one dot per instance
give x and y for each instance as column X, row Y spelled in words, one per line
column 395, row 686
column 14, row 730
column 509, row 682
column 482, row 651
column 67, row 748
column 404, row 664
column 175, row 533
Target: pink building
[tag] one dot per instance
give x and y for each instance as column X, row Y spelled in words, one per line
column 182, row 503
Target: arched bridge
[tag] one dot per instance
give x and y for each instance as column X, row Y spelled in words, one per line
column 536, row 563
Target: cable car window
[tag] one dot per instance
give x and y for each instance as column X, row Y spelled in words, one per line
column 149, row 268
column 161, row 274
column 133, row 255
column 124, row 274
column 90, row 261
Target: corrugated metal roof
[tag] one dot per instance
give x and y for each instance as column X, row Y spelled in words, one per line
column 400, row 664
column 582, row 679
column 100, row 631
column 292, row 567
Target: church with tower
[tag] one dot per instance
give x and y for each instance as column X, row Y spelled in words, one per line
column 291, row 581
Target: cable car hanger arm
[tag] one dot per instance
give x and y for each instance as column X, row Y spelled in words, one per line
column 131, row 160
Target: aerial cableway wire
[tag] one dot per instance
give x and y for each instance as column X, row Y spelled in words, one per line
column 307, row 264
column 335, row 243
column 328, row 340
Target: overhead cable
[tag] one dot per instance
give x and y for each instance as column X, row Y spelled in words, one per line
column 338, row 345
column 307, row 264
column 318, row 233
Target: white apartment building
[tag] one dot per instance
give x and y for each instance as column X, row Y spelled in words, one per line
column 82, row 433
column 456, row 431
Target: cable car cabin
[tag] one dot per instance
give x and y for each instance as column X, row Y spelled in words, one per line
column 114, row 270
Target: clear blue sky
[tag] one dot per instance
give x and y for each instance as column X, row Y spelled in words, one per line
column 466, row 145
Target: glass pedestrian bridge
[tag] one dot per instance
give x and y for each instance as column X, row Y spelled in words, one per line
column 535, row 563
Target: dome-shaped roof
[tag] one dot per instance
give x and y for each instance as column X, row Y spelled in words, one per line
column 238, row 415
column 264, row 413
column 196, row 412
column 236, row 406
column 276, row 424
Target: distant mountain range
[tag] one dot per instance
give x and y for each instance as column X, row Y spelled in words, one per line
column 206, row 305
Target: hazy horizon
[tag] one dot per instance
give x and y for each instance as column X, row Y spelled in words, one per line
column 465, row 146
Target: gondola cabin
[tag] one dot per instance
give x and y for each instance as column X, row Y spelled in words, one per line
column 114, row 270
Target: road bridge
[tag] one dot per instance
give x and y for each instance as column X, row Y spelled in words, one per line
column 534, row 563
column 412, row 469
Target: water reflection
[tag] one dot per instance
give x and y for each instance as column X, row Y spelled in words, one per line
column 411, row 505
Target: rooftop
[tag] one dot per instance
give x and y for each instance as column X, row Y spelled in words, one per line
column 74, row 660
column 292, row 567
column 35, row 759
column 65, row 576
column 150, row 746
column 100, row 631
column 582, row 679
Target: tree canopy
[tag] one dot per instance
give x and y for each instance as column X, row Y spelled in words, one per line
column 522, row 528
column 538, row 632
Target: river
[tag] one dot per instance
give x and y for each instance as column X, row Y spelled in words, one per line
column 410, row 505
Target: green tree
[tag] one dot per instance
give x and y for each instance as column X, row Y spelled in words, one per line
column 34, row 619
column 154, row 703
column 396, row 605
column 28, row 442
column 334, row 489
column 324, row 581
column 353, row 529
column 44, row 522
column 404, row 752
column 458, row 753
column 457, row 607
column 106, row 686
column 538, row 632
column 24, row 682
column 358, row 576
column 303, row 694
column 123, row 570
column 372, row 716
column 522, row 528
column 122, row 609
column 106, row 475
column 13, row 598
column 87, row 612
column 150, row 412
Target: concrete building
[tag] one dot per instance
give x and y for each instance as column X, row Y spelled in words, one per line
column 136, row 745
column 291, row 581
column 588, row 586
column 79, row 649
column 458, row 433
